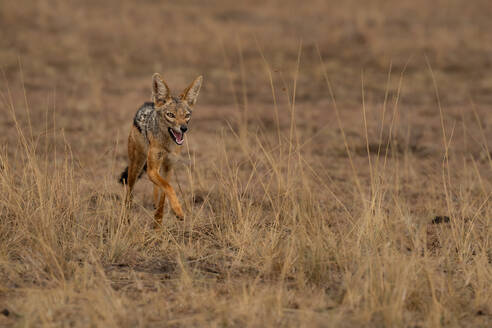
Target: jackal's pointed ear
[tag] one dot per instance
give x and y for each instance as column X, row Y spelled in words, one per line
column 191, row 93
column 160, row 90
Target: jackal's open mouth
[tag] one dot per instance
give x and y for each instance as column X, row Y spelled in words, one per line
column 177, row 136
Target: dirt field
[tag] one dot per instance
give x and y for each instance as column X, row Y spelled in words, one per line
column 337, row 171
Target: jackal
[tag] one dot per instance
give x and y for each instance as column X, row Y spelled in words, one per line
column 155, row 137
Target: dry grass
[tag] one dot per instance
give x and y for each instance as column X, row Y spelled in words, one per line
column 314, row 171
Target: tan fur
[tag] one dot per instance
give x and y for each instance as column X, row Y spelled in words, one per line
column 156, row 147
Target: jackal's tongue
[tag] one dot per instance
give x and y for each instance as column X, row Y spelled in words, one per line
column 178, row 136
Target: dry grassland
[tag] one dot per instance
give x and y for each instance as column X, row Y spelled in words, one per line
column 337, row 172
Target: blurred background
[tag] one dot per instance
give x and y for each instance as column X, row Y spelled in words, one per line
column 87, row 66
column 84, row 67
column 93, row 52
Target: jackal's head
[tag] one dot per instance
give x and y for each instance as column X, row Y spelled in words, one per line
column 175, row 112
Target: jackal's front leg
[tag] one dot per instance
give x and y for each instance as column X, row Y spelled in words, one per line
column 159, row 201
column 154, row 161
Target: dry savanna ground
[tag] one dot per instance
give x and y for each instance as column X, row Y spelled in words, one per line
column 337, row 171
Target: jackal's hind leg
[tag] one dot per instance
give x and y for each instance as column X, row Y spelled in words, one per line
column 137, row 156
column 134, row 170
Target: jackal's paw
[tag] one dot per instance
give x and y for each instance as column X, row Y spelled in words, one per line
column 177, row 210
column 179, row 214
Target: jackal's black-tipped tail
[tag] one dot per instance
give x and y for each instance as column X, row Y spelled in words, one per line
column 124, row 175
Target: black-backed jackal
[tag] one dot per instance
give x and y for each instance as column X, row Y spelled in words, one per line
column 156, row 136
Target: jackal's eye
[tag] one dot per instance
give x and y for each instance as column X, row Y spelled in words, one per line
column 187, row 116
column 170, row 115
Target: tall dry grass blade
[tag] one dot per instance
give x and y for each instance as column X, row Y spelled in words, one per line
column 272, row 88
column 342, row 130
column 292, row 129
column 446, row 174
column 366, row 135
column 482, row 134
column 244, row 117
column 385, row 102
